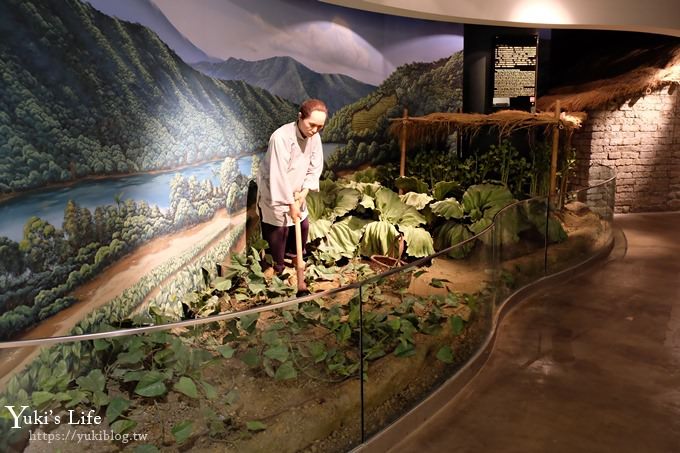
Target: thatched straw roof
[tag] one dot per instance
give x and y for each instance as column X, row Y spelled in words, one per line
column 647, row 78
column 438, row 125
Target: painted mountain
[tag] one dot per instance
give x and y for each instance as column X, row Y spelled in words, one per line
column 286, row 77
column 86, row 94
column 422, row 88
column 146, row 13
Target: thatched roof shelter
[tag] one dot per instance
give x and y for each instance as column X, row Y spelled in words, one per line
column 437, row 125
column 655, row 69
column 413, row 130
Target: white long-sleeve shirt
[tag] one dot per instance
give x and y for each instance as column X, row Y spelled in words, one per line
column 292, row 163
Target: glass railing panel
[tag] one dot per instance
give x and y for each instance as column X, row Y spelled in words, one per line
column 584, row 223
column 520, row 232
column 421, row 324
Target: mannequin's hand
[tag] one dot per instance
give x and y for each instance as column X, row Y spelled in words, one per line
column 301, row 197
column 294, row 211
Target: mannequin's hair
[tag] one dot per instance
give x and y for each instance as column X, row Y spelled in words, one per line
column 310, row 105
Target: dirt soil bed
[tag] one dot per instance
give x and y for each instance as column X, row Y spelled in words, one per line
column 320, row 414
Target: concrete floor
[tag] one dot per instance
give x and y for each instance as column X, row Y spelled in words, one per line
column 592, row 365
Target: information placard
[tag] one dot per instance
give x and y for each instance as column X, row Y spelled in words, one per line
column 515, row 63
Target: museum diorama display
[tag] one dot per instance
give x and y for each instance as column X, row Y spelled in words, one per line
column 136, row 308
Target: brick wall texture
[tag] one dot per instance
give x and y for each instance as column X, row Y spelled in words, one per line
column 641, row 141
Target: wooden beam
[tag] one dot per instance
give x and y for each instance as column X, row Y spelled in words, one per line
column 555, row 148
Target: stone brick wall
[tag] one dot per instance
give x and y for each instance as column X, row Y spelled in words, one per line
column 641, row 141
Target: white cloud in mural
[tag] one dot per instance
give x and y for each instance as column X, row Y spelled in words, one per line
column 328, row 47
column 323, row 37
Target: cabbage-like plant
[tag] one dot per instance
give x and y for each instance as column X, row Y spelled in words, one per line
column 325, row 206
column 394, row 217
column 338, row 238
column 463, row 220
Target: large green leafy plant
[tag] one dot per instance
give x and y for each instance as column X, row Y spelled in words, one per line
column 364, row 218
column 464, row 220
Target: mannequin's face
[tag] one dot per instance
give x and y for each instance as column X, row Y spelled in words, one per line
column 312, row 124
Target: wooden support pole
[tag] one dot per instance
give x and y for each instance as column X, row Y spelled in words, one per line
column 565, row 172
column 402, row 146
column 555, row 147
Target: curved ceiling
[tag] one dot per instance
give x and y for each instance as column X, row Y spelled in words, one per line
column 651, row 16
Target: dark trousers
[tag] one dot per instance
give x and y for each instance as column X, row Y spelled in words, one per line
column 281, row 241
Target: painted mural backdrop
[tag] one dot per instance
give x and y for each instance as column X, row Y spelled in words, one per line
column 129, row 131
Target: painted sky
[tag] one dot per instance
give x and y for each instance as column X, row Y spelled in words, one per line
column 326, row 38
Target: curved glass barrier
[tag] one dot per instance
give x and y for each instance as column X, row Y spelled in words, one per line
column 422, row 323
column 584, row 222
column 322, row 372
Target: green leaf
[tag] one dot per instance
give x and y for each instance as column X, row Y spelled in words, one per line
column 417, row 200
column 40, row 398
column 418, row 241
column 379, row 238
column 209, row 390
column 318, row 228
column 343, row 238
column 146, row 448
column 445, row 354
column 479, row 226
column 404, row 349
column 231, row 397
column 222, row 285
column 457, row 324
column 130, row 358
column 270, row 337
column 487, row 199
column 316, row 206
column 452, row 233
column 344, row 333
column 251, row 358
column 255, row 426
column 444, row 189
column 151, row 384
column 99, row 399
column 116, row 407
column 186, row 386
column 257, row 287
column 226, row 351
column 248, row 322
column 121, row 426
column 62, row 396
column 438, row 282
column 131, row 376
column 367, row 201
column 182, row 431
column 279, row 353
column 411, row 184
column 346, row 200
column 76, row 397
column 394, row 211
column 318, row 351
column 449, row 209
column 94, row 382
column 285, row 371
column 101, row 344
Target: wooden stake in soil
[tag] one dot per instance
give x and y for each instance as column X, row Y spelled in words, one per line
column 299, row 261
